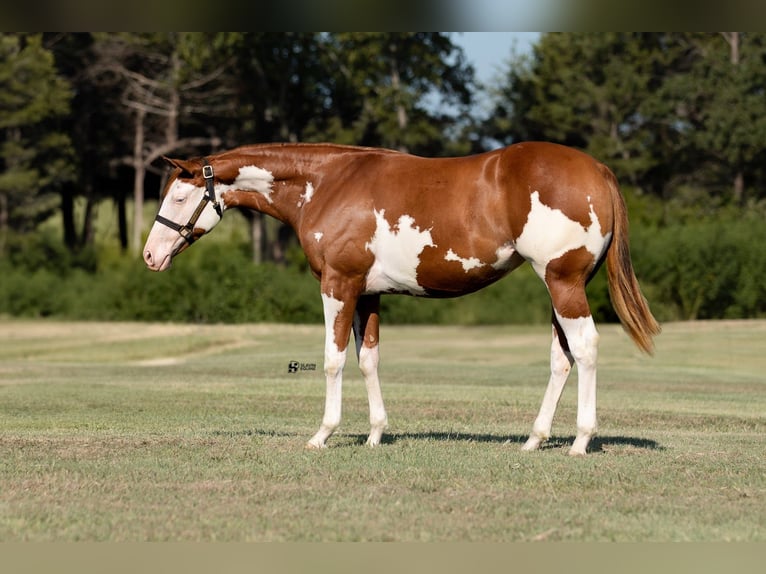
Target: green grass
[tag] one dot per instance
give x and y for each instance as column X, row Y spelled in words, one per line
column 133, row 432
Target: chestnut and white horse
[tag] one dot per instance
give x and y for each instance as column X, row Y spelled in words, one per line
column 374, row 221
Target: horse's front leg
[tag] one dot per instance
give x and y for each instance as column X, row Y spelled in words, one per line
column 366, row 335
column 338, row 316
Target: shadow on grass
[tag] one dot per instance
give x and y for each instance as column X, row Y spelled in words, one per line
column 597, row 444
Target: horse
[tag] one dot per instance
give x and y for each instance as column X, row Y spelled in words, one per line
column 374, row 221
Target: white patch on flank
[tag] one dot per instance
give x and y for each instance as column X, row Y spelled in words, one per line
column 504, row 254
column 318, row 235
column 307, row 195
column 397, row 252
column 549, row 233
column 467, row 264
column 254, row 178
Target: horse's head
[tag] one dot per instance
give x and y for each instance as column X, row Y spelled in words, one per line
column 190, row 208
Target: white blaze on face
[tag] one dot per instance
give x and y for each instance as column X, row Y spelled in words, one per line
column 549, row 233
column 467, row 264
column 397, row 252
column 318, row 235
column 178, row 206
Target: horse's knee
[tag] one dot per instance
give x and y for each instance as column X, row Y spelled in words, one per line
column 368, row 361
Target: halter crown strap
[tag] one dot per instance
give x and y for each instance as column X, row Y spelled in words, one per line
column 207, row 173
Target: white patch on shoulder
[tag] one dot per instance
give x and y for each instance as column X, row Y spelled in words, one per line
column 397, row 252
column 318, row 235
column 549, row 233
column 467, row 264
column 307, row 195
column 254, row 178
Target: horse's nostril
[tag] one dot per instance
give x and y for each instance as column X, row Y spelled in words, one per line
column 148, row 257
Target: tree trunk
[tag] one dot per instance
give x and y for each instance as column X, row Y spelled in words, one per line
column 122, row 221
column 138, row 183
column 67, row 218
column 4, row 218
column 733, row 38
column 401, row 112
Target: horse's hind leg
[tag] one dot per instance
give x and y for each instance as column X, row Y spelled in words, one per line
column 566, row 278
column 582, row 338
column 561, row 365
column 366, row 334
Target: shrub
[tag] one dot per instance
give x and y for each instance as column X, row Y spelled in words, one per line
column 705, row 269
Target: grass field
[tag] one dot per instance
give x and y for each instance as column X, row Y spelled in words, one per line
column 153, row 432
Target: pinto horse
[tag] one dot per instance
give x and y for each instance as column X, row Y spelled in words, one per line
column 374, row 221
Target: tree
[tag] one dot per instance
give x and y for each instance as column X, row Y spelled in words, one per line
column 36, row 157
column 671, row 113
column 385, row 88
column 163, row 77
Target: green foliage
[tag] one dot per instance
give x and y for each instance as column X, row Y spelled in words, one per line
column 705, row 269
column 664, row 111
column 35, row 155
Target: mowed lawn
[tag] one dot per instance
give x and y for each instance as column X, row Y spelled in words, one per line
column 160, row 432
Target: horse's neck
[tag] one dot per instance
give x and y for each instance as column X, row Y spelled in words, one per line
column 277, row 179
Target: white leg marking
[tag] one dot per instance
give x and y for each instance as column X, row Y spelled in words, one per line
column 334, row 361
column 369, row 357
column 561, row 365
column 582, row 337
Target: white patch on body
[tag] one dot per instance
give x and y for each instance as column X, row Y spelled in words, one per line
column 504, row 255
column 397, row 252
column 318, row 235
column 467, row 264
column 254, row 178
column 549, row 233
column 307, row 195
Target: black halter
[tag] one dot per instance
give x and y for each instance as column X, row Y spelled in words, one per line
column 187, row 231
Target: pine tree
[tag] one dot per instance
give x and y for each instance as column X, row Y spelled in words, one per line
column 35, row 157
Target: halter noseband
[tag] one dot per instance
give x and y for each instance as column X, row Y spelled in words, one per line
column 187, row 231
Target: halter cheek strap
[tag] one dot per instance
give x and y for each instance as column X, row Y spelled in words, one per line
column 187, row 231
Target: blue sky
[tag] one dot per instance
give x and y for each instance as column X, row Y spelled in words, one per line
column 489, row 52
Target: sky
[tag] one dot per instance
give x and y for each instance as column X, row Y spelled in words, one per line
column 489, row 52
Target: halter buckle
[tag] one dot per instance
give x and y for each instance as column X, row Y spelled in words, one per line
column 207, row 171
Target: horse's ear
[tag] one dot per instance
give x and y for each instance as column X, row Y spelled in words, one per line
column 186, row 167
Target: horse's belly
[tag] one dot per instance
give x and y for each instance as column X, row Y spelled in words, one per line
column 436, row 273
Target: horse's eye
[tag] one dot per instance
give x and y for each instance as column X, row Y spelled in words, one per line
column 179, row 199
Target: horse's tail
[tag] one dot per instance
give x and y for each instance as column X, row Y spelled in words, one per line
column 627, row 299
